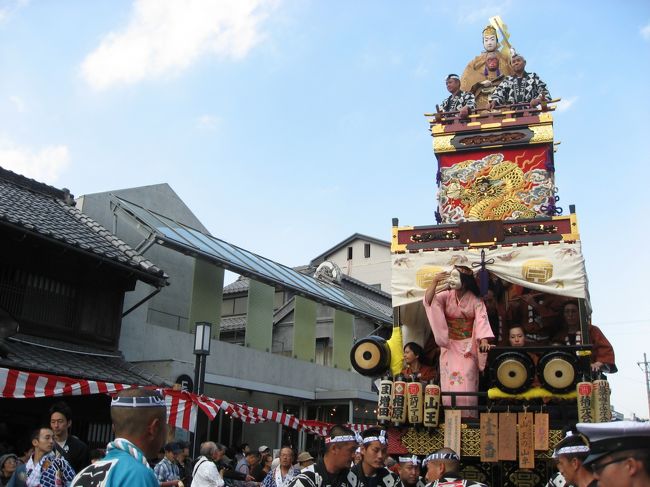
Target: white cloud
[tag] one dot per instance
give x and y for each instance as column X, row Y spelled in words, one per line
column 645, row 32
column 18, row 103
column 208, row 122
column 44, row 164
column 566, row 103
column 165, row 37
column 9, row 7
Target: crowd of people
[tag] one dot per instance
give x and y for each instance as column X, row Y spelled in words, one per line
column 54, row 457
column 604, row 454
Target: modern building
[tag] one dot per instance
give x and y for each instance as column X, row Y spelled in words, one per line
column 281, row 338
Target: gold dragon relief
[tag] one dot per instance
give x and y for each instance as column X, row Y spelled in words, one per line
column 494, row 190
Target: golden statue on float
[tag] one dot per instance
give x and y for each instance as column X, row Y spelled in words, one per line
column 484, row 73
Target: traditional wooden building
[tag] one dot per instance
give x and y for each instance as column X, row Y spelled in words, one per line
column 63, row 281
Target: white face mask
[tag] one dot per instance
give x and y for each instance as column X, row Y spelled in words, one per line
column 490, row 43
column 454, row 280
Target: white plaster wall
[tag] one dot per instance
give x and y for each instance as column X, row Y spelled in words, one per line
column 373, row 270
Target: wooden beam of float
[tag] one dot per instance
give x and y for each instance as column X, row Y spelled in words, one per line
column 485, row 234
column 492, row 129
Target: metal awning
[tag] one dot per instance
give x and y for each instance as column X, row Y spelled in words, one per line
column 189, row 241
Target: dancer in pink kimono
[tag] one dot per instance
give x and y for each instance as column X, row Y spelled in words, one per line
column 461, row 329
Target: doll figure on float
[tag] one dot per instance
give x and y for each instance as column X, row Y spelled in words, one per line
column 461, row 328
column 476, row 70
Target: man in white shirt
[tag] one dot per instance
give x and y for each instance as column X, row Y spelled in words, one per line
column 205, row 473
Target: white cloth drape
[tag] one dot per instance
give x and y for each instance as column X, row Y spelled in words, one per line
column 554, row 268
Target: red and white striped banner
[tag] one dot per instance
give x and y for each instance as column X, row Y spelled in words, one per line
column 17, row 384
column 210, row 406
column 181, row 409
column 249, row 414
column 359, row 428
column 319, row 428
column 182, row 406
column 322, row 428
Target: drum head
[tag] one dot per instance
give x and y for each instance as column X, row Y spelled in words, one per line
column 513, row 372
column 558, row 372
column 370, row 356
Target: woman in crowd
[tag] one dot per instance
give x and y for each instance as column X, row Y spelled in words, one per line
column 8, row 465
column 262, row 468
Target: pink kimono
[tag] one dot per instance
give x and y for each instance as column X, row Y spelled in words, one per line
column 458, row 327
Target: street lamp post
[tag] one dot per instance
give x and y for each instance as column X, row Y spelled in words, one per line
column 202, row 337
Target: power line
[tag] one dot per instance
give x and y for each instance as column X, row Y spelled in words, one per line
column 646, row 370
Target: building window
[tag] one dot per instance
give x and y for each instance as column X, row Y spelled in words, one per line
column 366, row 250
column 241, row 305
column 323, row 352
column 228, row 307
column 349, row 253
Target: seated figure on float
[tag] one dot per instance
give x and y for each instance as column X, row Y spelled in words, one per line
column 496, row 309
column 459, row 100
column 483, row 89
column 517, row 339
column 602, row 352
column 537, row 314
column 415, row 368
column 460, row 325
column 520, row 88
column 477, row 70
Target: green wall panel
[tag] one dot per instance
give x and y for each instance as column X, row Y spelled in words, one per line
column 259, row 320
column 304, row 329
column 342, row 343
column 207, row 291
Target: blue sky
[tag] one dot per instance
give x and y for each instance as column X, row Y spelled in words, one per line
column 288, row 125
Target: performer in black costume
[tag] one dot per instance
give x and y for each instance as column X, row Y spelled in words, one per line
column 333, row 470
column 370, row 471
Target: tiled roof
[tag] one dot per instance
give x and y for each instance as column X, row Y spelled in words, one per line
column 381, row 307
column 240, row 285
column 233, row 323
column 61, row 358
column 47, row 212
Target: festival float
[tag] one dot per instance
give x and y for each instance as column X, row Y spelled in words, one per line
column 497, row 222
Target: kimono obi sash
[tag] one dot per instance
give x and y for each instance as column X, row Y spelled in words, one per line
column 460, row 328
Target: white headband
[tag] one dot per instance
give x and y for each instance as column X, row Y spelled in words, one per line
column 440, row 456
column 340, row 439
column 412, row 459
column 565, row 450
column 138, row 402
column 381, row 438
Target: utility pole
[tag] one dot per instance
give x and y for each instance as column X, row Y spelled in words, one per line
column 646, row 371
